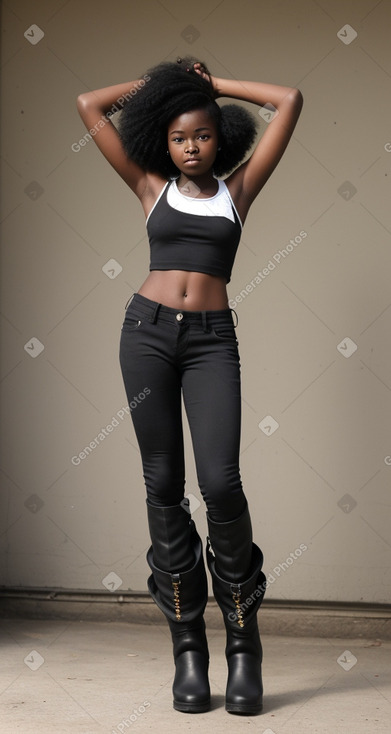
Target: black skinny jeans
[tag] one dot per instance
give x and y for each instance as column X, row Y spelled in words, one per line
column 165, row 352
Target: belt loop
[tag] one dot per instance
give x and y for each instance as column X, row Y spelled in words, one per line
column 204, row 321
column 154, row 313
column 236, row 317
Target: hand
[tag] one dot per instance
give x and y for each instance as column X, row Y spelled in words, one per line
column 201, row 69
column 190, row 64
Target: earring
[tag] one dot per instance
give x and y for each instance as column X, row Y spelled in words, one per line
column 219, row 148
column 168, row 152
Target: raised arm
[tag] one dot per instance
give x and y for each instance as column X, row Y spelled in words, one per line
column 93, row 108
column 249, row 178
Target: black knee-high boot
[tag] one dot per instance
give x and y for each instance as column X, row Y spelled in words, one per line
column 178, row 585
column 235, row 564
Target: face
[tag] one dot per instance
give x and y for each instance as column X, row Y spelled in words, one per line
column 192, row 142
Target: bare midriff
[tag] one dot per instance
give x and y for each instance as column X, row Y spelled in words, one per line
column 186, row 291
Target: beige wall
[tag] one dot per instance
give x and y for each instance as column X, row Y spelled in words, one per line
column 322, row 479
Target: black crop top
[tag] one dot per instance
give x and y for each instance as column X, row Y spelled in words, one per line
column 195, row 242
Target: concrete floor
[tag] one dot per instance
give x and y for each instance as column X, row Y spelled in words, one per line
column 81, row 676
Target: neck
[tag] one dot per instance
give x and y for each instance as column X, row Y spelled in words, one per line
column 206, row 183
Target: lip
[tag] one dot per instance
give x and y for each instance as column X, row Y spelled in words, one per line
column 192, row 160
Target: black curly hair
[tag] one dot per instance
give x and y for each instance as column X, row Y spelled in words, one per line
column 171, row 89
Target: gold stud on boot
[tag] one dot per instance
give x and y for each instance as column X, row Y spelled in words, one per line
column 236, row 597
column 177, row 601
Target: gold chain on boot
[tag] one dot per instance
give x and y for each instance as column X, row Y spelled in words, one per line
column 177, row 601
column 236, row 598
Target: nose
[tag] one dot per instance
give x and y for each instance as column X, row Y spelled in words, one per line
column 191, row 146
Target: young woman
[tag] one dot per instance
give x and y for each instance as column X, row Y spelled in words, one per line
column 178, row 340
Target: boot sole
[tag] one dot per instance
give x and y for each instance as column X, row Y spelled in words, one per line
column 241, row 708
column 192, row 708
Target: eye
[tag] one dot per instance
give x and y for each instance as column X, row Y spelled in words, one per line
column 177, row 140
column 204, row 136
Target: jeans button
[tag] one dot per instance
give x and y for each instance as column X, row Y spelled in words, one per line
column 179, row 316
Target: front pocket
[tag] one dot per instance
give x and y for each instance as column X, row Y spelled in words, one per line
column 226, row 332
column 131, row 324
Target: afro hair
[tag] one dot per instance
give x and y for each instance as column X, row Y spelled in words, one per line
column 170, row 90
